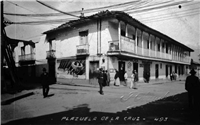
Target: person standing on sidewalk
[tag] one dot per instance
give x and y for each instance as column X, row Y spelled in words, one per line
column 135, row 79
column 108, row 78
column 125, row 78
column 132, row 79
column 192, row 85
column 45, row 82
column 117, row 81
column 104, row 78
column 100, row 80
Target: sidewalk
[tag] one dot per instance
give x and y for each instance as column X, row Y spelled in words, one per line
column 94, row 83
column 9, row 98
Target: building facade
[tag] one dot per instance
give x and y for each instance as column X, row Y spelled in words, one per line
column 113, row 40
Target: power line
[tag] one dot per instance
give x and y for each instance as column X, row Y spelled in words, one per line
column 57, row 21
column 25, row 9
column 146, row 5
column 152, row 8
column 75, row 12
column 161, row 19
column 20, row 6
column 182, row 13
column 40, row 22
column 57, row 9
column 186, row 12
column 171, row 7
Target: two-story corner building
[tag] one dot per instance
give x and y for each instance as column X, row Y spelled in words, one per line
column 114, row 40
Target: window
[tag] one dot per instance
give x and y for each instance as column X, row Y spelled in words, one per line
column 83, row 37
column 158, row 47
column 122, row 33
column 163, row 49
column 133, row 36
column 23, row 50
column 166, row 48
column 147, row 44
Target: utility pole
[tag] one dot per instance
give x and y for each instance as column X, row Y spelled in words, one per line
column 198, row 66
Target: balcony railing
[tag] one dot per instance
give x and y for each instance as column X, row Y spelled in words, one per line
column 82, row 49
column 128, row 45
column 27, row 57
column 51, row 54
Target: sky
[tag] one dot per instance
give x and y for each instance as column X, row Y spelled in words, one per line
column 179, row 20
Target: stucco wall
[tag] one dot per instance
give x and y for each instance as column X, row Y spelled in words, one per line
column 66, row 41
column 40, row 49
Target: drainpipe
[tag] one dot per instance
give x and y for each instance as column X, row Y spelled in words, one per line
column 119, row 34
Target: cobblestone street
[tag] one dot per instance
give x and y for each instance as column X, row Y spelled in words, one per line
column 69, row 103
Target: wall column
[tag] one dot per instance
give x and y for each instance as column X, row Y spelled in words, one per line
column 119, row 34
column 136, row 39
column 126, row 31
column 149, row 44
column 156, row 47
column 142, row 43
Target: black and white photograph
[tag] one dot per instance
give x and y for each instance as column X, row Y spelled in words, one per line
column 80, row 62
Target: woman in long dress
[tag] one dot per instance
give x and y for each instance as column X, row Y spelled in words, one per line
column 117, row 81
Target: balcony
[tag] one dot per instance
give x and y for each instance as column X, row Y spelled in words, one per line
column 82, row 49
column 51, row 54
column 128, row 45
column 27, row 57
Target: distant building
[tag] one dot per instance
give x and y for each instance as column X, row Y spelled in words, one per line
column 112, row 40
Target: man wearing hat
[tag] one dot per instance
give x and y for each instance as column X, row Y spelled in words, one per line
column 100, row 80
column 45, row 82
column 192, row 85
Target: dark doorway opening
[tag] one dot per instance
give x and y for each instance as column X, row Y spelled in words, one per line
column 135, row 66
column 121, row 68
column 166, row 70
column 157, row 71
column 170, row 70
column 93, row 73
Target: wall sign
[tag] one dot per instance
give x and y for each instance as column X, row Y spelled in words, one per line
column 129, row 65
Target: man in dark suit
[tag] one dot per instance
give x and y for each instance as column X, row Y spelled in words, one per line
column 101, row 80
column 45, row 82
column 192, row 85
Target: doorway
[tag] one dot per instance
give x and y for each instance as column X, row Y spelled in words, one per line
column 157, row 71
column 121, row 69
column 135, row 67
column 93, row 73
column 170, row 70
column 166, row 70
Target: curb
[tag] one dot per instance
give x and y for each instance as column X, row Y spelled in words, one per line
column 10, row 100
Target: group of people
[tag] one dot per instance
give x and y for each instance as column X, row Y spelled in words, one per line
column 104, row 79
column 134, row 79
column 173, row 76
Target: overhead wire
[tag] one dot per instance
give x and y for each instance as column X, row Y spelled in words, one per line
column 147, row 19
column 161, row 19
column 57, row 9
column 74, row 12
column 148, row 4
column 41, row 22
column 171, row 7
column 27, row 10
column 152, row 8
column 137, row 4
column 165, row 16
column 59, row 20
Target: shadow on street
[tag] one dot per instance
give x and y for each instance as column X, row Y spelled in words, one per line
column 172, row 110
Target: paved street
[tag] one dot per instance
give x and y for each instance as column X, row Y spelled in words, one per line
column 83, row 104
